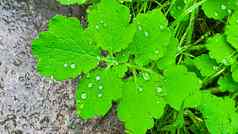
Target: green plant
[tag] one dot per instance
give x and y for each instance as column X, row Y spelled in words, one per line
column 132, row 55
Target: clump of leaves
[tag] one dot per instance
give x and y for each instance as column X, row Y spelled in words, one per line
column 149, row 63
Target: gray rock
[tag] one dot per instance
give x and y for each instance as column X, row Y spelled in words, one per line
column 30, row 103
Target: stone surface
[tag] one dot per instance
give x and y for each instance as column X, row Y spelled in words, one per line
column 30, row 103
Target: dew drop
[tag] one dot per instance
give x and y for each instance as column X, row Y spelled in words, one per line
column 157, row 51
column 98, row 78
column 140, row 89
column 98, row 58
column 146, row 76
column 99, row 95
column 229, row 11
column 215, row 68
column 97, row 27
column 158, row 89
column 223, row 7
column 100, row 87
column 83, row 96
column 179, row 7
column 65, row 65
column 73, row 66
column 90, row 85
column 104, row 24
column 236, row 21
column 81, row 106
column 161, row 27
column 101, row 21
column 146, row 34
column 139, row 28
column 225, row 62
column 216, row 14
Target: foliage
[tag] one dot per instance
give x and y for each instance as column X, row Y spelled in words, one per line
column 165, row 71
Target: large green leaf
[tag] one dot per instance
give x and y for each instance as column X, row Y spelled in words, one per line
column 141, row 103
column 64, row 51
column 109, row 25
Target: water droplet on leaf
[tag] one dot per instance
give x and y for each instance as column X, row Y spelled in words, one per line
column 83, row 96
column 100, row 87
column 140, row 89
column 146, row 34
column 99, row 95
column 65, row 65
column 98, row 78
column 72, row 66
column 146, row 76
column 158, row 89
column 223, row 7
column 90, row 85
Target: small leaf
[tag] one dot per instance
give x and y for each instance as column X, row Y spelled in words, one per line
column 109, row 25
column 226, row 83
column 218, row 9
column 169, row 57
column 220, row 50
column 141, row 103
column 179, row 84
column 219, row 114
column 234, row 70
column 151, row 38
column 95, row 93
column 231, row 30
column 61, row 53
column 205, row 65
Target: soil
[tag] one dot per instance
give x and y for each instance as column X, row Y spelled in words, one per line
column 30, row 103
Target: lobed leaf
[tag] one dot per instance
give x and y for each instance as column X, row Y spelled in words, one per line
column 179, row 85
column 226, row 83
column 231, row 30
column 220, row 50
column 61, row 53
column 109, row 25
column 151, row 38
column 219, row 114
column 141, row 103
column 218, row 9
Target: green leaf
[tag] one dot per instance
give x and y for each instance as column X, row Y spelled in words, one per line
column 141, row 103
column 226, row 83
column 151, row 38
column 179, row 85
column 169, row 57
column 220, row 50
column 218, row 9
column 219, row 114
column 96, row 92
column 178, row 9
column 205, row 65
column 70, row 2
column 61, row 53
column 109, row 25
column 231, row 30
column 234, row 70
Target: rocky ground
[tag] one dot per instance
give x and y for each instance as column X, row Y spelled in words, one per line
column 30, row 103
